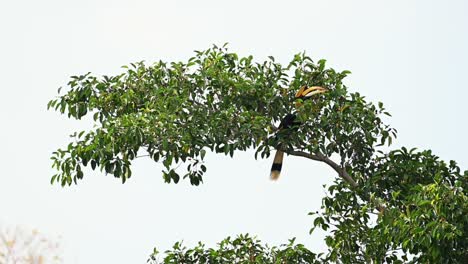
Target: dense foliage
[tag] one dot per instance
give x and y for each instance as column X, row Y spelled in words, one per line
column 399, row 206
column 243, row 249
column 425, row 219
column 216, row 101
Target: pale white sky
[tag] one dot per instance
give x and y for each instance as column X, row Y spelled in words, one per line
column 412, row 55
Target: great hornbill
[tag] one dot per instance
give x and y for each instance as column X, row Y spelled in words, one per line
column 289, row 121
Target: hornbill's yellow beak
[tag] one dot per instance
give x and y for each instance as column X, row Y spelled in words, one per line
column 305, row 91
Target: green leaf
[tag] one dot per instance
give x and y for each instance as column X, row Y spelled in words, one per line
column 174, row 176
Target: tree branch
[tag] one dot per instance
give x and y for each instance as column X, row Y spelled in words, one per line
column 319, row 157
column 340, row 170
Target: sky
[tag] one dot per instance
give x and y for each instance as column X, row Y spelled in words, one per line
column 411, row 55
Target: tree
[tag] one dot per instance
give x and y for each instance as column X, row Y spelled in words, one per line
column 384, row 207
column 243, row 249
column 21, row 246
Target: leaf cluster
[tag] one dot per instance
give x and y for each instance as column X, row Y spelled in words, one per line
column 243, row 249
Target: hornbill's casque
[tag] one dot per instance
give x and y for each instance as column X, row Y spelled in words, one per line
column 288, row 121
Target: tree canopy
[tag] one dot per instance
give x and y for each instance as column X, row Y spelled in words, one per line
column 386, row 206
column 242, row 249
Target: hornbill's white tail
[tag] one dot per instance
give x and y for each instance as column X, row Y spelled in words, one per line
column 277, row 164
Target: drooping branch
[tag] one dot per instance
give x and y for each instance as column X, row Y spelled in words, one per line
column 341, row 171
column 319, row 157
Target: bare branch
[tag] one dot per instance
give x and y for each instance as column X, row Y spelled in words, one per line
column 319, row 157
column 341, row 171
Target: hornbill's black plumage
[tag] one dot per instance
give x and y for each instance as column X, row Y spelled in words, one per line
column 288, row 122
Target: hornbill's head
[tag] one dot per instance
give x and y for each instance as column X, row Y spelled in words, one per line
column 306, row 92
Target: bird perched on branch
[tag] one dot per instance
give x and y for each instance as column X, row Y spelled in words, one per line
column 289, row 121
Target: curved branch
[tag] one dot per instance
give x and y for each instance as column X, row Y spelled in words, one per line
column 341, row 171
column 319, row 157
